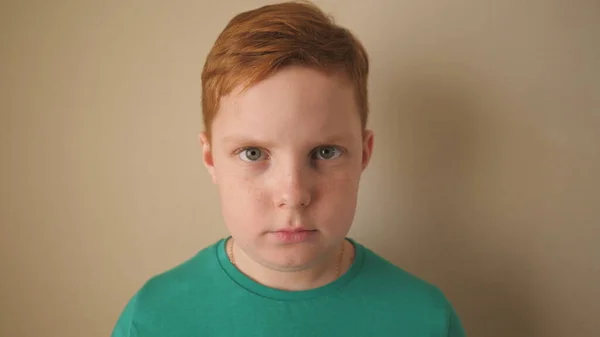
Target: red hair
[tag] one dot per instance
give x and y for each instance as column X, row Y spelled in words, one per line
column 257, row 43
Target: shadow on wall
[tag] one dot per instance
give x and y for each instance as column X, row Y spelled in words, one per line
column 442, row 139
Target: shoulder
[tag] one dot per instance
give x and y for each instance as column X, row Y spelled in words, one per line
column 383, row 277
column 166, row 292
column 403, row 296
column 199, row 271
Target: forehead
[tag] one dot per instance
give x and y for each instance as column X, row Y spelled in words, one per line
column 294, row 101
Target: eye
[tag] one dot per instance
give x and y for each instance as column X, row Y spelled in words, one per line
column 251, row 154
column 327, row 152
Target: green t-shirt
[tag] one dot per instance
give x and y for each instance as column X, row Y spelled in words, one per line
column 209, row 296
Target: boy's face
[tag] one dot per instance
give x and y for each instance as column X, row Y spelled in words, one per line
column 287, row 155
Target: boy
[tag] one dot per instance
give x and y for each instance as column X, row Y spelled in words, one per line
column 285, row 111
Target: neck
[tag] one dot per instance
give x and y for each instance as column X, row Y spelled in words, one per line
column 325, row 271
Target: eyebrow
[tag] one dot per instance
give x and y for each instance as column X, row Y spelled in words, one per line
column 340, row 138
column 245, row 140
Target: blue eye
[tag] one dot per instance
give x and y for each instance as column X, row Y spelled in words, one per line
column 327, row 152
column 251, row 154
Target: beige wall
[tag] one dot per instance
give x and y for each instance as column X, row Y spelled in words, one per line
column 484, row 178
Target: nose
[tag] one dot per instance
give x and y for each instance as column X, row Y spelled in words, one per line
column 293, row 188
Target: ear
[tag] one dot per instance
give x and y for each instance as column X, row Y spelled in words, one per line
column 207, row 155
column 367, row 151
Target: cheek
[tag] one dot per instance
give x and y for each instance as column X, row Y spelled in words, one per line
column 336, row 198
column 232, row 179
column 241, row 196
column 340, row 180
column 338, row 185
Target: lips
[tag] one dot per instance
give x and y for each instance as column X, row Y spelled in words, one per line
column 295, row 230
column 293, row 235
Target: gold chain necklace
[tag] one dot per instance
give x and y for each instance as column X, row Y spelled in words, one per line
column 338, row 267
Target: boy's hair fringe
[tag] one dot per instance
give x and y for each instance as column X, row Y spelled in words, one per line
column 257, row 43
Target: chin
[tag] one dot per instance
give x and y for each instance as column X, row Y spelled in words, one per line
column 296, row 265
column 296, row 257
